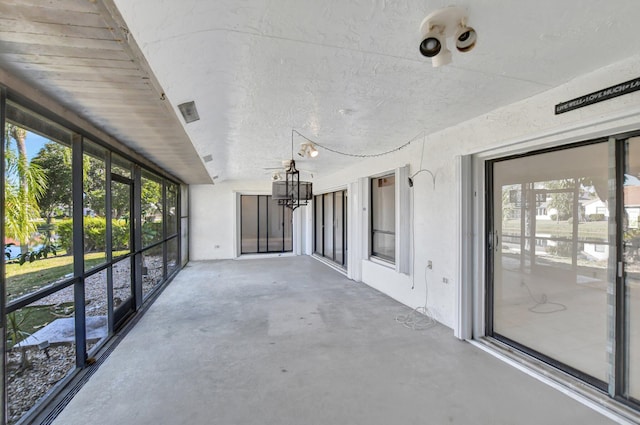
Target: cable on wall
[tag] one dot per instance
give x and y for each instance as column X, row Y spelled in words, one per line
column 420, row 318
column 433, row 177
column 423, row 170
column 356, row 155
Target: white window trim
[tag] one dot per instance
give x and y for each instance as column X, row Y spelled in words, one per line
column 403, row 225
column 465, row 293
column 403, row 221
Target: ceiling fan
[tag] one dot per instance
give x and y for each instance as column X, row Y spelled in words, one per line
column 287, row 166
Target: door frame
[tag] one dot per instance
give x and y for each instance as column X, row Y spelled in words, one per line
column 128, row 306
column 472, row 296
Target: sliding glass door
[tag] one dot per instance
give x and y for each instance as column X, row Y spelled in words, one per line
column 564, row 248
column 631, row 239
column 330, row 228
column 265, row 225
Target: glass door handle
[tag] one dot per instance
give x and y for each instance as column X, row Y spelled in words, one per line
column 493, row 241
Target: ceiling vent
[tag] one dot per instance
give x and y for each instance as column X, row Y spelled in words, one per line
column 189, row 111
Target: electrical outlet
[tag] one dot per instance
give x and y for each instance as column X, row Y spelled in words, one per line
column 445, row 280
column 429, row 265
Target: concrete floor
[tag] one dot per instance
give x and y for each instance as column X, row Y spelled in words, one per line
column 291, row 341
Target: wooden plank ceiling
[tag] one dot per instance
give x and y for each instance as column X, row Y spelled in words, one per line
column 80, row 54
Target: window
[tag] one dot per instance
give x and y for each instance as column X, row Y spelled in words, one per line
column 184, row 224
column 383, row 217
column 151, row 208
column 94, row 204
column 172, row 209
column 38, row 202
column 74, row 213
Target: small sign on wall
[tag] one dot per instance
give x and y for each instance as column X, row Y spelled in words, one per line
column 598, row 96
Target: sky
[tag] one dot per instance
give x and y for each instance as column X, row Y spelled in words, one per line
column 35, row 142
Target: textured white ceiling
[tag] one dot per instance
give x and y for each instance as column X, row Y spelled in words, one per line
column 348, row 74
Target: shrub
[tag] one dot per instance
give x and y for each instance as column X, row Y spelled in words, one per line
column 120, row 234
column 95, row 231
column 562, row 249
column 553, row 217
column 65, row 232
column 151, row 232
column 596, row 217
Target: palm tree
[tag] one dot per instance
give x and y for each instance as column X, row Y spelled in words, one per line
column 24, row 184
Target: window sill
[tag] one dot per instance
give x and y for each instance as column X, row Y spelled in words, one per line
column 382, row 262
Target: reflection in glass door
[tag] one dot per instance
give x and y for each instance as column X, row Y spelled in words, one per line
column 550, row 251
column 631, row 222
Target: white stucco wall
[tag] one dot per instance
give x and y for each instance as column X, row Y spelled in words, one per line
column 213, row 217
column 523, row 126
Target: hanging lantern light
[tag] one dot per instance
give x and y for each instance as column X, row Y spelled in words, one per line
column 292, row 192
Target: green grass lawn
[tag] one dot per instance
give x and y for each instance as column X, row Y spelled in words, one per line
column 29, row 277
column 590, row 230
